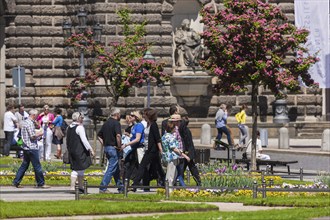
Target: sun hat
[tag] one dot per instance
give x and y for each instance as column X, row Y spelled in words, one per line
column 175, row 117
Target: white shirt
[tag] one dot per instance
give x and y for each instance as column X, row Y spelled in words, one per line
column 249, row 148
column 9, row 121
column 21, row 117
column 80, row 130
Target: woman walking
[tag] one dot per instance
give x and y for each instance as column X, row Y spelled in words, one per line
column 241, row 118
column 80, row 151
column 152, row 142
column 136, row 141
column 58, row 133
column 171, row 152
column 44, row 120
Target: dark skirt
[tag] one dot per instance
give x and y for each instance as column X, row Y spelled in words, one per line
column 57, row 141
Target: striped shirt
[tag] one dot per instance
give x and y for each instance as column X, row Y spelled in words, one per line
column 28, row 134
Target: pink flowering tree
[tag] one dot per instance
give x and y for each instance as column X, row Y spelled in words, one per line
column 119, row 65
column 250, row 43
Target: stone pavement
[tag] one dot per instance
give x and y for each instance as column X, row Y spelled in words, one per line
column 306, row 151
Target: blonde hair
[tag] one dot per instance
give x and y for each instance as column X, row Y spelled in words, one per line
column 137, row 115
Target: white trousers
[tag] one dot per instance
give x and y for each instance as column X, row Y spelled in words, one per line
column 46, row 149
column 171, row 174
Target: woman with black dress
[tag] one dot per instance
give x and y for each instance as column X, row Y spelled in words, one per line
column 80, row 151
column 151, row 159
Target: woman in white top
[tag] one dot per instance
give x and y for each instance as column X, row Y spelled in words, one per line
column 80, row 151
column 259, row 154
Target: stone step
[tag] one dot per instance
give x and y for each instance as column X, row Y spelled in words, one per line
column 311, row 130
column 309, row 135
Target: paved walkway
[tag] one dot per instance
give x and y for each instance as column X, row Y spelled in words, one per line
column 30, row 193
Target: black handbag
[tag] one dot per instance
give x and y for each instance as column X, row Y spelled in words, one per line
column 66, row 157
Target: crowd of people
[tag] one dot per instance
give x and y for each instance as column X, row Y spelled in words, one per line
column 139, row 153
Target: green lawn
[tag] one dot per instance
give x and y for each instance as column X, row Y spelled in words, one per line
column 289, row 214
column 91, row 207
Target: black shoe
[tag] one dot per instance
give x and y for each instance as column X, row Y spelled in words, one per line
column 18, row 186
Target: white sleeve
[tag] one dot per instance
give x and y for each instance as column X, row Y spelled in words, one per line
column 82, row 134
column 259, row 148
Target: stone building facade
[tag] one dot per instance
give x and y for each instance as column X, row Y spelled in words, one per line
column 31, row 36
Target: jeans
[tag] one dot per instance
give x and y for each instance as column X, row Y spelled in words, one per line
column 9, row 136
column 33, row 157
column 180, row 171
column 244, row 133
column 226, row 131
column 113, row 168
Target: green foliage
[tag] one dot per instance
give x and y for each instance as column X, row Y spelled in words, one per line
column 219, row 175
column 324, row 178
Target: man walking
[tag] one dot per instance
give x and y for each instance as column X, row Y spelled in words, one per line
column 189, row 147
column 30, row 152
column 110, row 137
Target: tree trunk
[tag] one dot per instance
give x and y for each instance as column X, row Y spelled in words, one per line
column 254, row 100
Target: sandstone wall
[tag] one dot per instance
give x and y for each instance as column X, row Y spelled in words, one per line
column 34, row 39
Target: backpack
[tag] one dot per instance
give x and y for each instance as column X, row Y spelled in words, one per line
column 64, row 127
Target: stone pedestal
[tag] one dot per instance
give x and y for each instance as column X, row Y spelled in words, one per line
column 193, row 91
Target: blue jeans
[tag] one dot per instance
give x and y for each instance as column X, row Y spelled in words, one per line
column 244, row 133
column 9, row 136
column 113, row 168
column 180, row 171
column 226, row 131
column 33, row 157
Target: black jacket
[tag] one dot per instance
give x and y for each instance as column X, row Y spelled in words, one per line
column 154, row 138
column 186, row 136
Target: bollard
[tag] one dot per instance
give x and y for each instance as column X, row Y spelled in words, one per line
column 263, row 189
column 271, row 182
column 167, row 190
column 267, row 169
column 85, row 187
column 125, row 187
column 76, row 190
column 188, row 176
column 301, row 174
column 255, row 189
column 262, row 176
column 233, row 156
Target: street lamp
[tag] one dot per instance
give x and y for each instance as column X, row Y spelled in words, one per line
column 148, row 57
column 97, row 31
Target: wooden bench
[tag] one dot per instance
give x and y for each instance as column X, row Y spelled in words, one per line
column 270, row 163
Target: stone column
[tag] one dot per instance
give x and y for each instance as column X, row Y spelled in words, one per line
column 284, row 139
column 206, row 134
column 326, row 140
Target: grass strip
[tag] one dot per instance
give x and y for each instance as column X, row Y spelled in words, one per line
column 274, row 214
column 89, row 207
column 321, row 200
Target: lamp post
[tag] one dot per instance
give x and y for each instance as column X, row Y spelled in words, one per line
column 148, row 57
column 97, row 31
